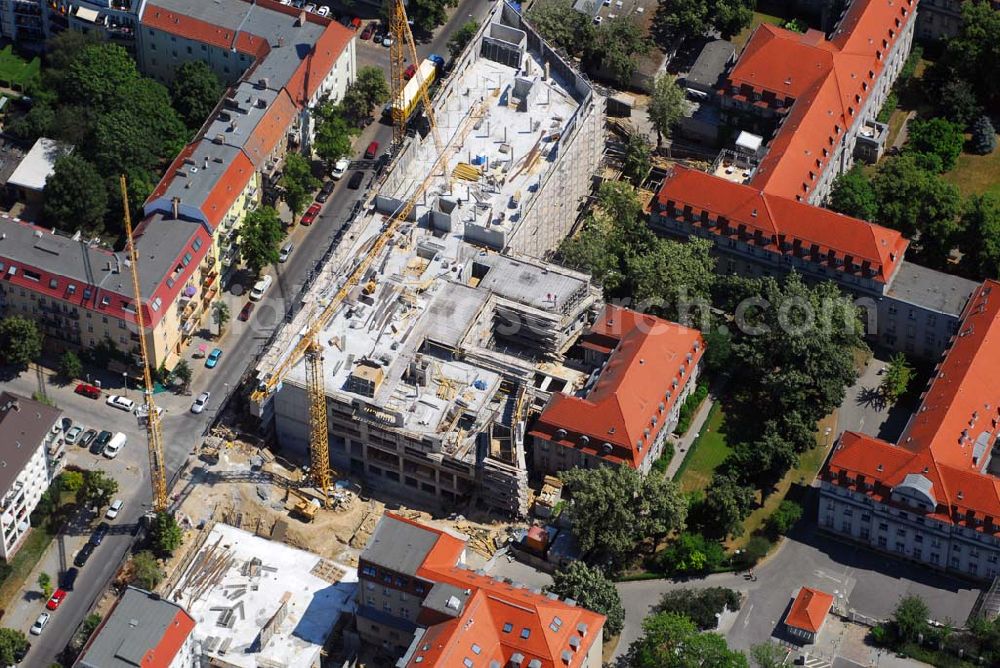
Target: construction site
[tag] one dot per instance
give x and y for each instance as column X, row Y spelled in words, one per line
column 436, row 332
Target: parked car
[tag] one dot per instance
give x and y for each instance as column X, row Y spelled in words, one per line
column 68, row 579
column 101, row 442
column 114, row 509
column 325, row 191
column 22, row 652
column 73, row 434
column 199, row 404
column 323, row 11
column 368, row 31
column 286, row 252
column 83, row 555
column 99, row 533
column 410, row 70
column 39, row 625
column 57, row 597
column 339, row 169
column 355, row 24
column 115, row 445
column 311, row 8
column 66, row 423
column 88, row 390
column 371, row 151
column 309, row 217
column 87, row 438
column 379, row 36
column 259, row 288
column 387, row 41
column 121, row 403
column 356, row 179
column 437, row 60
column 213, row 357
column 246, row 311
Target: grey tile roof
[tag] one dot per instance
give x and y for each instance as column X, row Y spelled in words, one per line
column 157, row 249
column 931, row 289
column 24, row 424
column 447, row 599
column 136, row 625
column 399, row 546
column 710, row 64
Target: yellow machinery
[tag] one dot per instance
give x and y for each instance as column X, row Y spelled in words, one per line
column 402, row 46
column 304, row 507
column 154, row 439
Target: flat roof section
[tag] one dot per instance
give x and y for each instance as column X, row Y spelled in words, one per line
column 931, row 289
column 39, row 164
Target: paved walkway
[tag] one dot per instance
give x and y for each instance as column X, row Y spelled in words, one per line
column 683, row 443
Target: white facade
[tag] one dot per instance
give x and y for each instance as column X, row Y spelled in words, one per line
column 20, row 499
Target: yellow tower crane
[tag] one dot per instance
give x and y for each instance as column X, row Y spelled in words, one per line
column 154, row 439
column 402, row 45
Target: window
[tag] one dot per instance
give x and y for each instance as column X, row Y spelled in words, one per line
column 386, row 606
column 368, row 570
column 508, row 627
column 899, row 547
column 882, row 526
column 121, row 324
column 476, row 649
column 881, row 541
column 935, row 558
column 525, row 633
column 197, row 243
column 32, row 275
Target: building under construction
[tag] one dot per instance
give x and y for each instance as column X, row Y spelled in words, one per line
column 434, row 359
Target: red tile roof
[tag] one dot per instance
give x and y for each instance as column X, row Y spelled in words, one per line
column 548, row 624
column 162, row 656
column 271, row 129
column 961, row 407
column 306, row 80
column 233, row 181
column 829, row 81
column 195, row 29
column 650, row 361
column 781, row 220
column 809, row 610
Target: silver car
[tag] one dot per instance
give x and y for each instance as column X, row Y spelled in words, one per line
column 36, row 628
column 199, row 404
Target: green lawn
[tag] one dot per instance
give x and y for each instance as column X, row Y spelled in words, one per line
column 23, row 562
column 976, row 174
column 15, row 71
column 758, row 17
column 705, row 455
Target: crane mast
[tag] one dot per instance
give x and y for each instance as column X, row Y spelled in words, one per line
column 154, row 439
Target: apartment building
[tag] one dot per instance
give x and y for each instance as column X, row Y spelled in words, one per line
column 816, row 97
column 31, row 22
column 142, row 629
column 418, row 601
column 644, row 369
column 281, row 63
column 27, row 434
column 933, row 496
column 942, row 19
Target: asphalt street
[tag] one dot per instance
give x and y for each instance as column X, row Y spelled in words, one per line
column 182, row 431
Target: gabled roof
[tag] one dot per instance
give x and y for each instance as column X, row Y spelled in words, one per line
column 948, row 441
column 809, row 610
column 781, row 219
column 498, row 621
column 650, row 360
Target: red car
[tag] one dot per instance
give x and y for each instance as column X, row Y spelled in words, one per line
column 371, row 151
column 57, row 598
column 410, row 71
column 247, row 310
column 88, row 390
column 310, row 215
column 368, row 31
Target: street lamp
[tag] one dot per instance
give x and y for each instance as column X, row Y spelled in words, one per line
column 125, row 380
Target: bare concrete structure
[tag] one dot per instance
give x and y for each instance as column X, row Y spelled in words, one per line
column 456, row 330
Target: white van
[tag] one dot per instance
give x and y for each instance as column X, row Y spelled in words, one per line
column 115, row 445
column 260, row 287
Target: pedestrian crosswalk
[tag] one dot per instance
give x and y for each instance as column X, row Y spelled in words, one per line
column 817, row 662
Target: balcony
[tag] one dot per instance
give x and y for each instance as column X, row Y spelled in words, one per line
column 209, row 279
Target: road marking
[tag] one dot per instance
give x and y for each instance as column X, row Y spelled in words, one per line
column 746, row 620
column 823, row 574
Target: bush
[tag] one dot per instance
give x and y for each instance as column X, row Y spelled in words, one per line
column 784, row 518
column 756, row 549
column 910, row 66
column 70, row 366
column 691, row 554
column 889, row 106
column 701, row 606
column 146, row 571
column 984, row 136
column 689, row 407
column 661, row 464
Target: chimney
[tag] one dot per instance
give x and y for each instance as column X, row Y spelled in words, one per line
column 176, row 202
column 205, row 165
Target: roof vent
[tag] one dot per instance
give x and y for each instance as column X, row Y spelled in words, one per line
column 960, row 495
column 754, row 213
column 879, row 468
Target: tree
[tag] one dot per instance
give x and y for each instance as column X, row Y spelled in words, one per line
column 98, row 489
column 701, row 606
column 756, row 549
column 45, row 584
column 636, row 163
column 913, row 200
column 984, row 136
column 146, row 571
column 72, row 480
column 12, row 645
column 298, row 183
column 260, row 238
column 671, row 640
column 896, row 378
column 591, row 589
column 194, row 92
column 731, row 16
column 980, row 240
column 727, row 503
column 852, row 195
column 220, row 314
column 691, row 554
column 461, row 37
column 956, row 100
column 666, row 106
column 561, row 25
column 75, row 197
column 165, row 534
column 768, row 655
column 367, row 91
column 910, row 618
column 182, row 372
column 20, row 341
column 686, row 17
column 70, row 366
column 936, row 136
column 974, row 54
column 617, row 44
column 614, row 508
column 333, row 134
column 426, row 15
column 784, row 518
